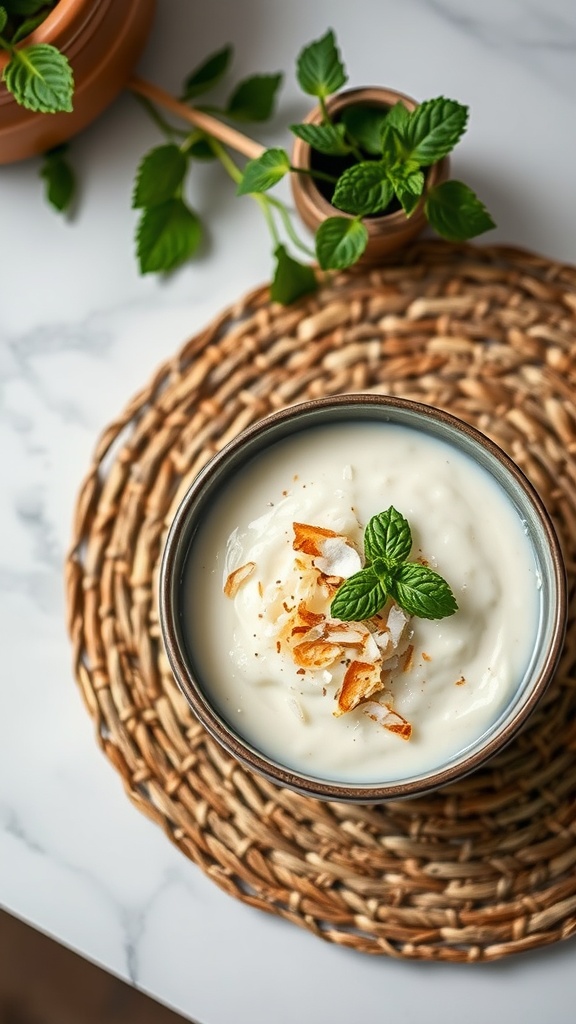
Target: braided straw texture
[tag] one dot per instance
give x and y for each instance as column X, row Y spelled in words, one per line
column 479, row 870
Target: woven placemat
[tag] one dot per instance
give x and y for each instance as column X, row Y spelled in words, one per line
column 479, row 870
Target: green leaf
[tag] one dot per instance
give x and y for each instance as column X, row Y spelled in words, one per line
column 433, row 129
column 253, row 99
column 159, row 175
column 208, row 74
column 325, row 138
column 340, row 242
column 264, row 172
column 319, row 69
column 59, row 178
column 292, row 279
column 40, row 78
column 408, row 187
column 201, row 149
column 28, row 26
column 167, row 235
column 363, row 189
column 388, row 536
column 421, row 591
column 456, row 213
column 364, row 125
column 3, row 18
column 397, row 116
column 360, row 597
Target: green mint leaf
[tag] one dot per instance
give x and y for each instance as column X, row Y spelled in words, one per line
column 340, row 241
column 264, row 172
column 364, row 125
column 360, row 597
column 391, row 147
column 3, row 18
column 325, row 138
column 397, row 116
column 40, row 78
column 408, row 186
column 159, row 175
column 363, row 189
column 456, row 213
column 433, row 129
column 28, row 26
column 292, row 279
column 388, row 536
column 208, row 74
column 421, row 591
column 319, row 69
column 253, row 99
column 59, row 179
column 201, row 149
column 167, row 235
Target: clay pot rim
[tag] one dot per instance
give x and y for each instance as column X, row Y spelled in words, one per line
column 310, row 194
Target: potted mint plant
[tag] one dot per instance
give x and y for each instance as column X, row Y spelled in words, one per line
column 61, row 63
column 369, row 167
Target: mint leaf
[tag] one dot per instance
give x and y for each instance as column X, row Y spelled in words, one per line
column 363, row 189
column 253, row 99
column 292, row 279
column 421, row 591
column 340, row 241
column 397, row 116
column 456, row 213
column 364, row 125
column 325, row 138
column 201, row 149
column 159, row 175
column 388, row 536
column 40, row 78
column 59, row 178
column 167, row 235
column 319, row 69
column 433, row 129
column 264, row 172
column 207, row 74
column 28, row 25
column 408, row 187
column 360, row 597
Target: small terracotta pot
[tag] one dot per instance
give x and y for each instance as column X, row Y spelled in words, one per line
column 102, row 39
column 386, row 234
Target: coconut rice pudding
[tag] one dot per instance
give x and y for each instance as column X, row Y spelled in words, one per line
column 359, row 700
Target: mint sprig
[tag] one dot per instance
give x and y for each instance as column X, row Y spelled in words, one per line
column 387, row 573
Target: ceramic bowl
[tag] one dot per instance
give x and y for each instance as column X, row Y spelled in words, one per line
column 211, row 483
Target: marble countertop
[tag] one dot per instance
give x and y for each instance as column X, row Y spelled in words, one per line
column 80, row 333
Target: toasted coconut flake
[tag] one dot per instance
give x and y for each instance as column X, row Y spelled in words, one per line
column 308, row 617
column 347, row 634
column 236, row 578
column 397, row 622
column 315, row 653
column 385, row 715
column 362, row 679
column 338, row 558
column 309, row 538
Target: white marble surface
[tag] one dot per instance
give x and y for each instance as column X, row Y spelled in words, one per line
column 80, row 332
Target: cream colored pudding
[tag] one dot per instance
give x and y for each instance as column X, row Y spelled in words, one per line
column 449, row 679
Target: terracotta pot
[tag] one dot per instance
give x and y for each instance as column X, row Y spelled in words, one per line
column 387, row 233
column 102, row 39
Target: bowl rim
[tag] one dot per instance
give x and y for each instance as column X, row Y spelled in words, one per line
column 241, row 749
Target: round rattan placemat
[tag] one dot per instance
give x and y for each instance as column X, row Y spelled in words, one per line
column 480, row 870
